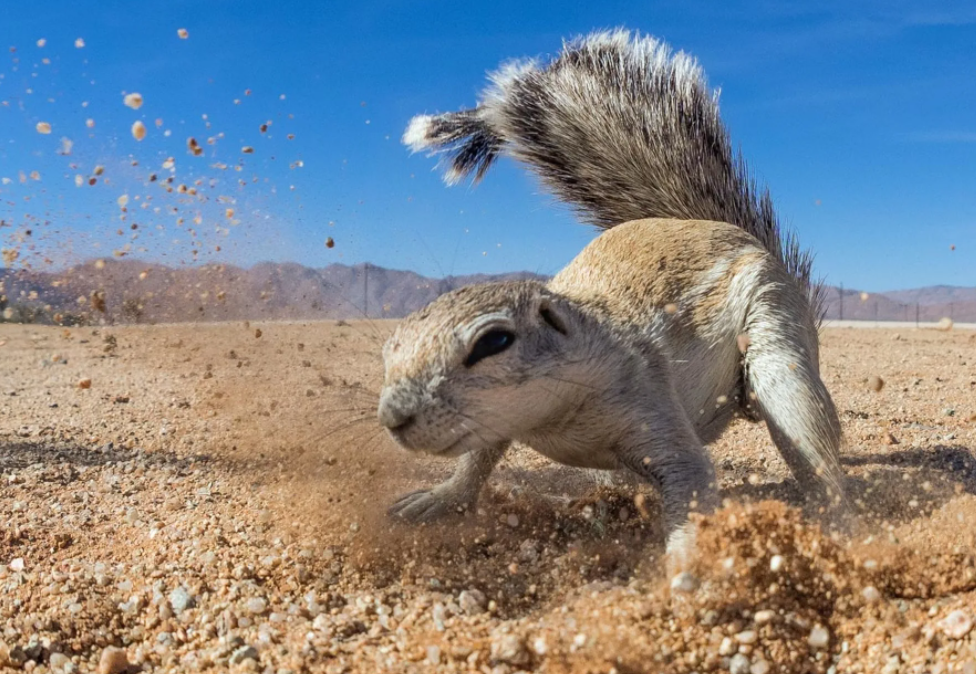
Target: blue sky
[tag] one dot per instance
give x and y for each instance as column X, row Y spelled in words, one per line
column 859, row 116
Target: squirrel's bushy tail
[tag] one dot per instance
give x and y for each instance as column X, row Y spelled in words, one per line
column 620, row 127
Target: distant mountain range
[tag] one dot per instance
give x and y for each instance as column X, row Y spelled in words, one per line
column 125, row 291
column 133, row 292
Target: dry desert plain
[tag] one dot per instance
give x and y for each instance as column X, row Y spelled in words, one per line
column 212, row 497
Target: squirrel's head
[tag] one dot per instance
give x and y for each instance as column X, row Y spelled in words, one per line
column 475, row 366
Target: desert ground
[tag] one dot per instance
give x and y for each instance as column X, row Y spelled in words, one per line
column 213, row 497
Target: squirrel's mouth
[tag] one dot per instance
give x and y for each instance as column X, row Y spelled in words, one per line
column 456, row 448
column 455, row 445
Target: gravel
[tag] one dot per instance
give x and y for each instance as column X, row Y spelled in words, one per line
column 226, row 542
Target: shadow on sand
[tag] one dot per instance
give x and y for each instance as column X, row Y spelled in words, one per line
column 22, row 454
column 896, row 487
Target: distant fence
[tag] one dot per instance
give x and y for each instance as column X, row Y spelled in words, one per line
column 857, row 306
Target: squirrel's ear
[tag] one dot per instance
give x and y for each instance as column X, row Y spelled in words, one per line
column 551, row 312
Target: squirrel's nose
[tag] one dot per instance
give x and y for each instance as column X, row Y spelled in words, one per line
column 392, row 413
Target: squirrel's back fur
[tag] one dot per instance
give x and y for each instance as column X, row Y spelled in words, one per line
column 622, row 128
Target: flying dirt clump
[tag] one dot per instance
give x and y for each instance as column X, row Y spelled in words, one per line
column 133, row 100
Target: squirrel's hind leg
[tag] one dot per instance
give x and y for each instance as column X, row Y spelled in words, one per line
column 457, row 494
column 782, row 375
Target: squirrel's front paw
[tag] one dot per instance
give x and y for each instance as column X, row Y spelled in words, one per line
column 426, row 505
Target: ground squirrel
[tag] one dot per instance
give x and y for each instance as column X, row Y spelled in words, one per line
column 690, row 307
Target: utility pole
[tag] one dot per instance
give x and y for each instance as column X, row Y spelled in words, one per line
column 916, row 314
column 366, row 290
column 841, row 301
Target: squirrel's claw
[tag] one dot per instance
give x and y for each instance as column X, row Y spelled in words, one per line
column 425, row 505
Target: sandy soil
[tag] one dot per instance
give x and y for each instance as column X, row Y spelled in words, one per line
column 183, row 498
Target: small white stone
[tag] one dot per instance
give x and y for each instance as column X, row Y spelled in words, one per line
column 727, row 647
column 439, row 615
column 819, row 637
column 58, row 660
column 181, row 600
column 776, row 563
column 509, row 649
column 747, row 637
column 472, row 602
column 17, row 564
column 759, row 667
column 739, row 664
column 257, row 605
column 684, row 582
column 243, row 653
column 764, row 616
column 957, row 624
column 871, row 594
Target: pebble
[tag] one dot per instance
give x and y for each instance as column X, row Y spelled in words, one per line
column 739, row 664
column 871, row 594
column 684, row 582
column 893, row 665
column 509, row 649
column 439, row 615
column 472, row 602
column 776, row 563
column 256, row 605
column 528, row 551
column 58, row 660
column 876, row 384
column 113, row 661
column 727, row 647
column 764, row 616
column 957, row 624
column 243, row 653
column 133, row 100
column 759, row 667
column 747, row 637
column 819, row 637
column 181, row 600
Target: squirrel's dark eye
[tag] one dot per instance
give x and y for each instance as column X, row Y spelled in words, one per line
column 491, row 343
